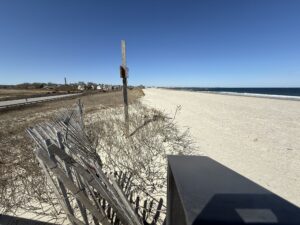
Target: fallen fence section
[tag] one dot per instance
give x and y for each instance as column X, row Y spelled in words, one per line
column 87, row 194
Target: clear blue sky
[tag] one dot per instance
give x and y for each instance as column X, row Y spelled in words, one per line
column 169, row 42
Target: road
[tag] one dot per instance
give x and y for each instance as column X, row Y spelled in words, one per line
column 17, row 102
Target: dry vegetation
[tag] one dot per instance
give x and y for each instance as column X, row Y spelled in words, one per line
column 6, row 94
column 153, row 135
column 18, row 169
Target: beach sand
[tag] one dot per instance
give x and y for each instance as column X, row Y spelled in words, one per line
column 257, row 137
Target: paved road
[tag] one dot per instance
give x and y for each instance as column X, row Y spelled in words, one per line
column 10, row 103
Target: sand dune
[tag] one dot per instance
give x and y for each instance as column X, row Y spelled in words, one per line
column 257, row 137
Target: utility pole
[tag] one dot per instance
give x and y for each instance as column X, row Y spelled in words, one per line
column 124, row 76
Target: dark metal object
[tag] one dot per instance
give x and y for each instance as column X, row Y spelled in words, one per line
column 12, row 220
column 202, row 191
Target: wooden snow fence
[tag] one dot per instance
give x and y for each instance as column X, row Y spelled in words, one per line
column 73, row 169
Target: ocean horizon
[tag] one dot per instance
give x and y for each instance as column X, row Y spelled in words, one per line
column 276, row 92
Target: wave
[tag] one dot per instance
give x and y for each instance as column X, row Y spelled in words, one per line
column 288, row 97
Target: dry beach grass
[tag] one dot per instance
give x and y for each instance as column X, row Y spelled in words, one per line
column 153, row 135
column 17, row 163
column 17, row 93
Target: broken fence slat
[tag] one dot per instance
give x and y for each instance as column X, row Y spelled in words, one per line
column 150, row 207
column 102, row 197
column 77, row 192
column 145, row 210
column 60, row 183
column 69, row 174
column 156, row 216
column 57, row 193
column 137, row 204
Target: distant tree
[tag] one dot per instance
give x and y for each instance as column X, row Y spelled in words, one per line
column 38, row 85
column 51, row 84
column 91, row 84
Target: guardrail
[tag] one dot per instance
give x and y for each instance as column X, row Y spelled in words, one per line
column 39, row 101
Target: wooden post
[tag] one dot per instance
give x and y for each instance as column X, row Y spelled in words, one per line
column 124, row 75
column 80, row 105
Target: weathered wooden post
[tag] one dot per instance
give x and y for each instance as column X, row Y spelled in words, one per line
column 124, row 75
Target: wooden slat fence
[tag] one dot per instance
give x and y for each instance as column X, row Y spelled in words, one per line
column 87, row 194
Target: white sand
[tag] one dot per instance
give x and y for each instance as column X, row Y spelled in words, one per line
column 257, row 137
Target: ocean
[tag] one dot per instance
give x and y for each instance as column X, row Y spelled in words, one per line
column 282, row 93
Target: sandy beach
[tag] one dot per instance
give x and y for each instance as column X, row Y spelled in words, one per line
column 257, row 137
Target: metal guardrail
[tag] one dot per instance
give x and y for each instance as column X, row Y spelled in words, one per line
column 39, row 101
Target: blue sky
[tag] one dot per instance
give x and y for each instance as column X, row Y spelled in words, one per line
column 169, row 42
